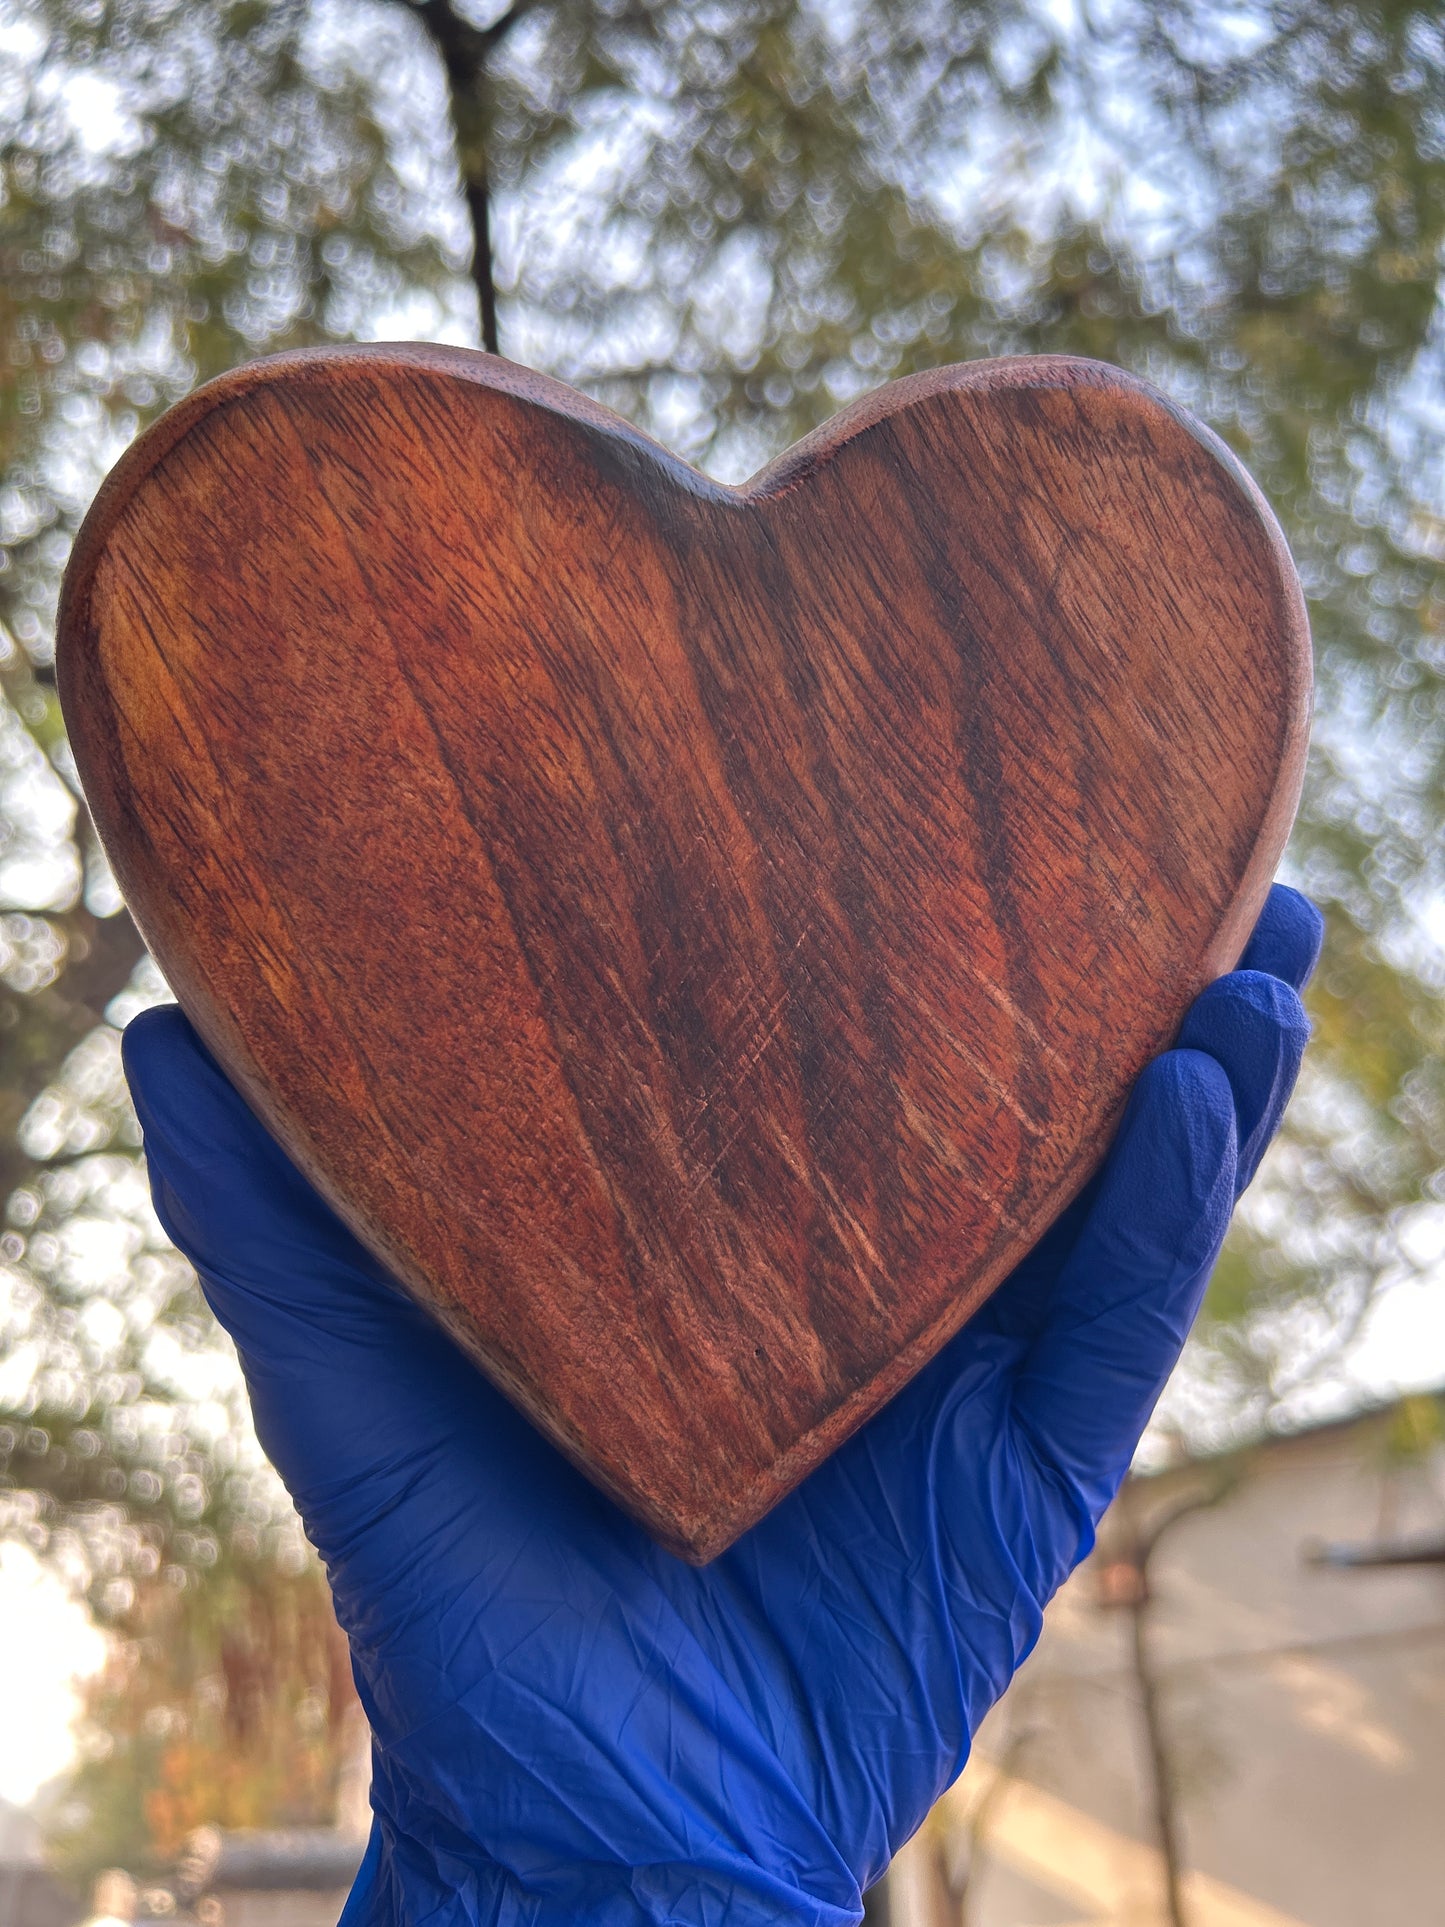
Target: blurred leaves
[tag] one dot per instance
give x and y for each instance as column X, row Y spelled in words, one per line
column 725, row 219
column 226, row 1705
column 182, row 187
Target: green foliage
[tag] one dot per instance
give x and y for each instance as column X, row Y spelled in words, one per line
column 182, row 187
column 1415, row 1433
column 726, row 220
column 229, row 1704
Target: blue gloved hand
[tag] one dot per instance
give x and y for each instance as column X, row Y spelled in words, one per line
column 573, row 1729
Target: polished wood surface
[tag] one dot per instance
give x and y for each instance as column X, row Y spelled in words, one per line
column 698, row 937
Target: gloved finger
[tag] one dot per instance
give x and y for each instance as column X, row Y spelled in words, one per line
column 350, row 1380
column 284, row 1275
column 1130, row 1288
column 1254, row 1026
column 410, row 1471
column 1287, row 938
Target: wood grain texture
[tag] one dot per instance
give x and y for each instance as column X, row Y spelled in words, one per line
column 698, row 937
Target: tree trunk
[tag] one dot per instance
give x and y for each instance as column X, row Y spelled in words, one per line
column 464, row 51
column 1161, row 1773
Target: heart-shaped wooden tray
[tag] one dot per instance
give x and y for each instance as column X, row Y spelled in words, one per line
column 698, row 937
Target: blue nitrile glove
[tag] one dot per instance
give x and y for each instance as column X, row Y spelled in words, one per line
column 574, row 1729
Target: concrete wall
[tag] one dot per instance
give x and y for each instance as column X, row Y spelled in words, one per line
column 1303, row 1710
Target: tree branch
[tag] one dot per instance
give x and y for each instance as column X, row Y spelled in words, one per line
column 464, row 51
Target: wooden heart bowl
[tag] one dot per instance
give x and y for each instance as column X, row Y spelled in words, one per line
column 697, row 937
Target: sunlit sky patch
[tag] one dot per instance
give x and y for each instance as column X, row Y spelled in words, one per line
column 47, row 1645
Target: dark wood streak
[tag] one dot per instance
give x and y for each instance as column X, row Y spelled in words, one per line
column 699, row 938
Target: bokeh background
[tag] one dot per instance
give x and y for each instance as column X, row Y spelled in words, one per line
column 725, row 219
